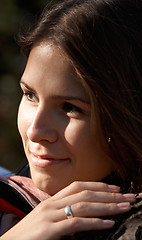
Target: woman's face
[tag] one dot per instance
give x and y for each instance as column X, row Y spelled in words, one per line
column 54, row 123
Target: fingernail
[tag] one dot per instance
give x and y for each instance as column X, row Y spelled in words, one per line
column 113, row 188
column 123, row 205
column 109, row 222
column 129, row 197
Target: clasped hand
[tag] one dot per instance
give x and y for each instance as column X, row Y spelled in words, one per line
column 89, row 201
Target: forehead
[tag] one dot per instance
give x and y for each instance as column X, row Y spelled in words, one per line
column 48, row 56
column 48, row 64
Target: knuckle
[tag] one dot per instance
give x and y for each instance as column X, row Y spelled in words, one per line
column 116, row 196
column 80, row 206
column 112, row 206
column 86, row 195
column 102, row 186
column 76, row 185
column 74, row 223
column 113, row 195
column 42, row 206
column 105, row 186
column 46, row 203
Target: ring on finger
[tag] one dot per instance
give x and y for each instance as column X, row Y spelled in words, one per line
column 68, row 212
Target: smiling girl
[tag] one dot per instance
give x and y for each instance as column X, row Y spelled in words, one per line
column 80, row 121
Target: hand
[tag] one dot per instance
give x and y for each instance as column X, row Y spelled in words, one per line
column 89, row 202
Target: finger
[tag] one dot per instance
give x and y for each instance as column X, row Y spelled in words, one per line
column 73, row 225
column 84, row 209
column 91, row 210
column 91, row 196
column 76, row 187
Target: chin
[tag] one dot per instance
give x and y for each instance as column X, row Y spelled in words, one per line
column 46, row 184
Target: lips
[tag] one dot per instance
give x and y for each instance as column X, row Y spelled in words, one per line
column 44, row 161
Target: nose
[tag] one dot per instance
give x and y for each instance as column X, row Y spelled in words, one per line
column 41, row 128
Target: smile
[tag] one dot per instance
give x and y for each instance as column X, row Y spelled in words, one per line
column 44, row 161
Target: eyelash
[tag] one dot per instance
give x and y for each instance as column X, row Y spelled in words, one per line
column 29, row 96
column 67, row 107
column 70, row 108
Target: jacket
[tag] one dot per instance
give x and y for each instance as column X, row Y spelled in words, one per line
column 19, row 196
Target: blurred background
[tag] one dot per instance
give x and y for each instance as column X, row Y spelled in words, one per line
column 15, row 16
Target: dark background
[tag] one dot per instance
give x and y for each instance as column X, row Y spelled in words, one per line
column 15, row 16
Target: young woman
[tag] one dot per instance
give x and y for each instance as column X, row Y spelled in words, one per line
column 80, row 120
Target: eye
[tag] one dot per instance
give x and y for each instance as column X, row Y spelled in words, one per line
column 30, row 96
column 70, row 108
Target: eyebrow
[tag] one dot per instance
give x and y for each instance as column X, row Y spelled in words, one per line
column 27, row 86
column 60, row 97
column 70, row 98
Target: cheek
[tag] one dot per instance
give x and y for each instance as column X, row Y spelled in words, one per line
column 22, row 121
column 77, row 133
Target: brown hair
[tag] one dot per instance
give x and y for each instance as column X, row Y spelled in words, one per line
column 103, row 39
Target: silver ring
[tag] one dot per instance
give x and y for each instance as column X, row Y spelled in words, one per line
column 68, row 212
